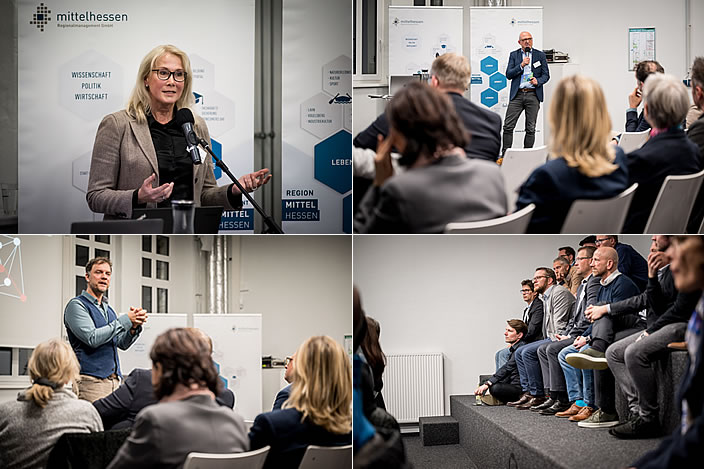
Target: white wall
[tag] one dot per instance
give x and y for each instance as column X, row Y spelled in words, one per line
column 452, row 294
column 300, row 285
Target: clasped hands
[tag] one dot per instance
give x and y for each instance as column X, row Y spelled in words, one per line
column 138, row 316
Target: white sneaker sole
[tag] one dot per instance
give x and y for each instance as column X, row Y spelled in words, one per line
column 585, row 424
column 585, row 362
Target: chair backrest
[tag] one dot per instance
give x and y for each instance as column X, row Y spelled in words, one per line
column 631, row 141
column 154, row 226
column 517, row 166
column 323, row 457
column 248, row 460
column 674, row 204
column 603, row 216
column 515, row 223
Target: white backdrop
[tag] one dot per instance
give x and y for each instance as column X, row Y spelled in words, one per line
column 494, row 35
column 78, row 67
column 316, row 116
column 137, row 356
column 418, row 34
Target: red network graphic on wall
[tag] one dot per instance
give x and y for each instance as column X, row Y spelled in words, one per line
column 11, row 275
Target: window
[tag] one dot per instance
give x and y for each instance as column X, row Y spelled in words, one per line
column 5, row 361
column 146, row 243
column 155, row 273
column 162, row 270
column 24, row 354
column 82, row 254
column 162, row 245
column 162, row 300
column 105, row 239
column 366, row 40
column 146, row 267
column 81, row 284
column 147, row 298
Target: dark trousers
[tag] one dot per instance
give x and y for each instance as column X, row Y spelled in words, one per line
column 606, row 328
column 505, row 392
column 529, row 102
column 604, row 382
column 553, row 377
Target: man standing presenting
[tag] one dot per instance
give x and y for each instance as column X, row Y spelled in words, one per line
column 95, row 332
column 528, row 71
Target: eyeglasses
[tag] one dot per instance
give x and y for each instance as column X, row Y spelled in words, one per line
column 583, row 258
column 527, row 39
column 539, row 277
column 526, row 291
column 164, row 74
column 288, row 360
column 599, row 241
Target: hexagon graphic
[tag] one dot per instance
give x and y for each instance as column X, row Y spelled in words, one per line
column 80, row 172
column 319, row 116
column 337, row 76
column 497, row 81
column 489, row 97
column 203, row 72
column 489, row 65
column 90, row 86
column 333, row 161
column 216, row 109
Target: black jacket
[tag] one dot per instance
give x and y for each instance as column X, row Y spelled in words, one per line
column 508, row 374
column 535, row 322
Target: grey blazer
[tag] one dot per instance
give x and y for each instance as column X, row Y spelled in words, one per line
column 165, row 433
column 124, row 156
column 557, row 311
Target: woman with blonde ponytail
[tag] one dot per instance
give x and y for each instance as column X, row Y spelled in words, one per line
column 583, row 164
column 318, row 411
column 31, row 425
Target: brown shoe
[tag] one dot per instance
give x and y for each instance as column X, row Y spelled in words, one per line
column 583, row 414
column 677, row 346
column 533, row 402
column 573, row 410
column 525, row 397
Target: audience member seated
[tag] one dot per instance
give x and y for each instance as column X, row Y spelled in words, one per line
column 282, row 395
column 683, row 447
column 668, row 152
column 119, row 409
column 614, row 287
column 558, row 304
column 630, row 262
column 187, row 419
column 450, row 73
column 588, row 241
column 371, row 348
column 583, row 164
column 318, row 411
column 630, row 359
column 532, row 317
column 696, row 135
column 441, row 185
column 31, row 425
column 505, row 385
column 634, row 121
column 565, row 274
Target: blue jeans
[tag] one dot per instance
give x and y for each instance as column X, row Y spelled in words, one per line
column 529, row 368
column 501, row 357
column 580, row 383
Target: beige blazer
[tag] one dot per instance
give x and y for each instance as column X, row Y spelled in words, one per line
column 124, row 156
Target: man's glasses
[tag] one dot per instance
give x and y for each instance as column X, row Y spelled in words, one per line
column 164, row 74
column 583, row 258
column 526, row 291
column 538, row 278
column 288, row 360
column 600, row 241
column 527, row 39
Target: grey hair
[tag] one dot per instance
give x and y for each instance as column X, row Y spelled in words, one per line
column 667, row 100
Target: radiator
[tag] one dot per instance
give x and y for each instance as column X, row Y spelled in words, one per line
column 413, row 386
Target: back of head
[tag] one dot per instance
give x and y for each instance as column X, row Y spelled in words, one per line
column 51, row 365
column 322, row 385
column 372, row 348
column 580, row 126
column 667, row 100
column 698, row 72
column 184, row 358
column 427, row 120
column 452, row 71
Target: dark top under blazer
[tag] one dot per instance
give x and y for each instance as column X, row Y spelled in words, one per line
column 119, row 409
column 425, row 199
column 553, row 187
column 667, row 154
column 484, row 128
column 514, row 71
column 289, row 437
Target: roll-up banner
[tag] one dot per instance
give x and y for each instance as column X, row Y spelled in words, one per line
column 78, row 61
column 494, row 35
column 317, row 116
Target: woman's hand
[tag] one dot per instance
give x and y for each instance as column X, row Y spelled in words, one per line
column 149, row 194
column 382, row 160
column 252, row 181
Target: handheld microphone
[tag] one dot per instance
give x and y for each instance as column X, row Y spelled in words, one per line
column 184, row 117
column 527, row 50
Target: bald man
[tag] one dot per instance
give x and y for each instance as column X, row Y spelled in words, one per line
column 528, row 71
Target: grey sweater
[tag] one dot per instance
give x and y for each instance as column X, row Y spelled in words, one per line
column 28, row 432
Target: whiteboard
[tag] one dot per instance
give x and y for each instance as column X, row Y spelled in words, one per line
column 137, row 356
column 237, row 352
column 419, row 34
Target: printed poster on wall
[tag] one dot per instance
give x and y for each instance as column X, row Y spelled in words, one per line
column 316, row 113
column 78, row 61
column 494, row 35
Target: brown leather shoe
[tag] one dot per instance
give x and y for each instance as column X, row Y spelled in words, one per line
column 533, row 402
column 525, row 397
column 573, row 410
column 583, row 414
column 677, row 346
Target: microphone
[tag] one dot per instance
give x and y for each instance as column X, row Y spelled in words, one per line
column 184, row 117
column 527, row 50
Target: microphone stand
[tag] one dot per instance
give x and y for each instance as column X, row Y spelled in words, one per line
column 271, row 226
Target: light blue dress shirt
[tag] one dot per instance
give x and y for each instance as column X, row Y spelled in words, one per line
column 78, row 319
